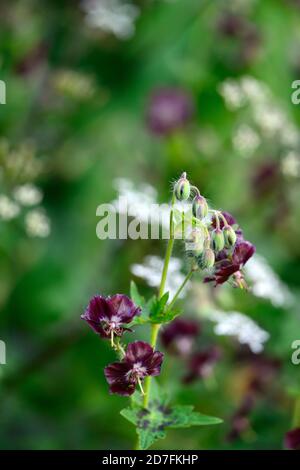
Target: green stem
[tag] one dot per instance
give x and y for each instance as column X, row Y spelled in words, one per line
column 187, row 278
column 155, row 327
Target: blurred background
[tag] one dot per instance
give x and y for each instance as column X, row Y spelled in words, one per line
column 112, row 97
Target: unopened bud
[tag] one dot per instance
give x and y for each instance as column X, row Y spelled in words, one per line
column 218, row 239
column 194, row 242
column 207, row 259
column 199, row 207
column 182, row 188
column 229, row 235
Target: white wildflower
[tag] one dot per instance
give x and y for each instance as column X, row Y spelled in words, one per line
column 141, row 203
column 37, row 224
column 270, row 119
column 240, row 326
column 245, row 140
column 111, row 16
column 290, row 164
column 28, row 195
column 255, row 91
column 8, row 208
column 151, row 271
column 265, row 282
column 232, row 94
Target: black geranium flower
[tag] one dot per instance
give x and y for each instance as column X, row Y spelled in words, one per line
column 292, row 439
column 169, row 109
column 178, row 337
column 231, row 264
column 202, row 363
column 139, row 361
column 107, row 315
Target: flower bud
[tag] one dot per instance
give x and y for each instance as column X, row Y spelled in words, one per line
column 199, row 207
column 229, row 235
column 195, row 242
column 207, row 259
column 218, row 239
column 182, row 188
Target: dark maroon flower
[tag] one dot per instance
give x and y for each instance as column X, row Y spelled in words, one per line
column 107, row 315
column 178, row 337
column 202, row 363
column 232, row 264
column 139, row 361
column 169, row 109
column 292, row 439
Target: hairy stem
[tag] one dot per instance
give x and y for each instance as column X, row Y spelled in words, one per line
column 156, row 326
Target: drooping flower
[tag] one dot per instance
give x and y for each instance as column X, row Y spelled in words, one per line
column 201, row 364
column 139, row 361
column 292, row 439
column 108, row 315
column 179, row 336
column 231, row 265
column 169, row 109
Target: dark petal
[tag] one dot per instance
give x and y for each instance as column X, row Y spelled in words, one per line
column 98, row 310
column 242, row 252
column 138, row 351
column 123, row 388
column 118, row 371
column 123, row 308
column 96, row 327
column 292, row 439
column 153, row 363
column 223, row 274
column 117, row 376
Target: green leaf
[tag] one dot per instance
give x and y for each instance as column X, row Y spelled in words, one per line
column 185, row 417
column 152, row 423
column 138, row 299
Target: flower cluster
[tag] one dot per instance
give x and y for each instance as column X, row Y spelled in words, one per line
column 21, row 197
column 108, row 317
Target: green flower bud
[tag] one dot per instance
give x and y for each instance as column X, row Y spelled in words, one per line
column 199, row 207
column 218, row 239
column 182, row 188
column 207, row 259
column 195, row 242
column 229, row 235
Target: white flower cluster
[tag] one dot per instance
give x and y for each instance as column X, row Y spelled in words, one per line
column 151, row 271
column 138, row 202
column 268, row 120
column 37, row 224
column 240, row 326
column 265, row 283
column 28, row 195
column 8, row 208
column 112, row 16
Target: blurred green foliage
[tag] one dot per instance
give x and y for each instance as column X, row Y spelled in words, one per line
column 78, row 96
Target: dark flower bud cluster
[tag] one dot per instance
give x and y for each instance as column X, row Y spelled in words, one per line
column 215, row 240
column 107, row 317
